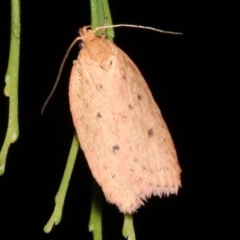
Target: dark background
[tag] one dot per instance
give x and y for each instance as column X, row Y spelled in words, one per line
column 194, row 79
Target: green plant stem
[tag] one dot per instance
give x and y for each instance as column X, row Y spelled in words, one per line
column 95, row 222
column 60, row 197
column 110, row 31
column 100, row 14
column 128, row 228
column 97, row 13
column 11, row 79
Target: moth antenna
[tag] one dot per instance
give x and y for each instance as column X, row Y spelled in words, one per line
column 138, row 26
column 59, row 74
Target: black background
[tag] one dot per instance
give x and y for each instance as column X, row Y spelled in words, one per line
column 194, row 79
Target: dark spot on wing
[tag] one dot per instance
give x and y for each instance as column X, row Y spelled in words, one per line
column 107, row 66
column 124, row 76
column 130, row 106
column 99, row 87
column 144, row 168
column 150, row 132
column 99, row 115
column 115, row 148
column 102, row 67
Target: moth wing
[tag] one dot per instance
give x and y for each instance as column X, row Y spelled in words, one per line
column 120, row 128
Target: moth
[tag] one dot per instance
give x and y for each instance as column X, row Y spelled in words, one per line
column 121, row 131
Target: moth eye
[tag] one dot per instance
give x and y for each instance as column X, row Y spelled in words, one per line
column 81, row 44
